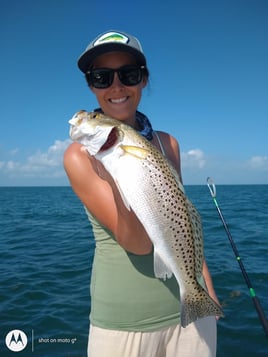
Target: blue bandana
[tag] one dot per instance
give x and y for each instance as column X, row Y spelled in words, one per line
column 144, row 123
column 146, row 126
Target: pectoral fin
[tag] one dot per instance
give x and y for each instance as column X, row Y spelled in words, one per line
column 138, row 152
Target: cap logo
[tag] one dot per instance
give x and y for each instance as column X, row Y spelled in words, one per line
column 111, row 37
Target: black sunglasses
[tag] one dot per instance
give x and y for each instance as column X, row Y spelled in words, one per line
column 103, row 77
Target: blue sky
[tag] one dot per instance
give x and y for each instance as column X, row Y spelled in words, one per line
column 208, row 62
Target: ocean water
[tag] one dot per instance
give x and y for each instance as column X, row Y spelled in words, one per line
column 46, row 249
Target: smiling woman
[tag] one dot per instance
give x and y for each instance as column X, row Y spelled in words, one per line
column 118, row 88
column 133, row 313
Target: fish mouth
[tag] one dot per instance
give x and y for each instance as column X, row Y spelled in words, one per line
column 111, row 140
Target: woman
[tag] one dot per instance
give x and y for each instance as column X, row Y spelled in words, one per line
column 133, row 314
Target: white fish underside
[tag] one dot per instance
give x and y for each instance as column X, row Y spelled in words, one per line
column 150, row 186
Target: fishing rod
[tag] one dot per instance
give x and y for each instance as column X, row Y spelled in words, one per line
column 257, row 304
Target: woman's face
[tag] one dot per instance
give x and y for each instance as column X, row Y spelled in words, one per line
column 118, row 101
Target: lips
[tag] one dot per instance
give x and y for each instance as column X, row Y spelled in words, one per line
column 118, row 100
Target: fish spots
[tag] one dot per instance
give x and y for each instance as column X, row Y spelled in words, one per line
column 152, row 188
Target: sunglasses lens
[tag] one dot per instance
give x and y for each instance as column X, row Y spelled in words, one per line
column 130, row 76
column 101, row 78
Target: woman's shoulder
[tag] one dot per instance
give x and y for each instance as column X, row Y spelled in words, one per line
column 79, row 167
column 72, row 151
column 167, row 137
column 169, row 141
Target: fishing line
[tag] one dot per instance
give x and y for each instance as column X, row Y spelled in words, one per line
column 257, row 304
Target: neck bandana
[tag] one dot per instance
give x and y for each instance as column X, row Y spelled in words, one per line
column 144, row 123
column 146, row 126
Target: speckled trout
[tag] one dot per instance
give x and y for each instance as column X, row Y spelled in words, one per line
column 150, row 186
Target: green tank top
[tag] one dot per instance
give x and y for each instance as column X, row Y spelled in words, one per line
column 125, row 295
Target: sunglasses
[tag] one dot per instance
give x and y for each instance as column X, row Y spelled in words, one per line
column 103, row 77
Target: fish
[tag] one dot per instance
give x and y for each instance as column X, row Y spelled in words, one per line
column 150, row 186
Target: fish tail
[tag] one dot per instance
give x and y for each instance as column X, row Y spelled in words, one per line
column 196, row 305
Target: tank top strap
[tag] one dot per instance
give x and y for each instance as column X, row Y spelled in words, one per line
column 160, row 143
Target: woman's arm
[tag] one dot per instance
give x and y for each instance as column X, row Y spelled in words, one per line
column 98, row 192
column 209, row 283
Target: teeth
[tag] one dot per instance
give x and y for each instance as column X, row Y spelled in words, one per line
column 119, row 100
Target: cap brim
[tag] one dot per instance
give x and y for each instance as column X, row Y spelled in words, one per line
column 89, row 56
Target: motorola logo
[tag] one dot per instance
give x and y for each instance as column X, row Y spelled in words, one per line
column 16, row 340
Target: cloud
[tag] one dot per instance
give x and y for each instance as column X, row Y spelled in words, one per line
column 197, row 166
column 46, row 168
column 14, row 152
column 50, row 159
column 258, row 162
column 193, row 158
column 39, row 165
